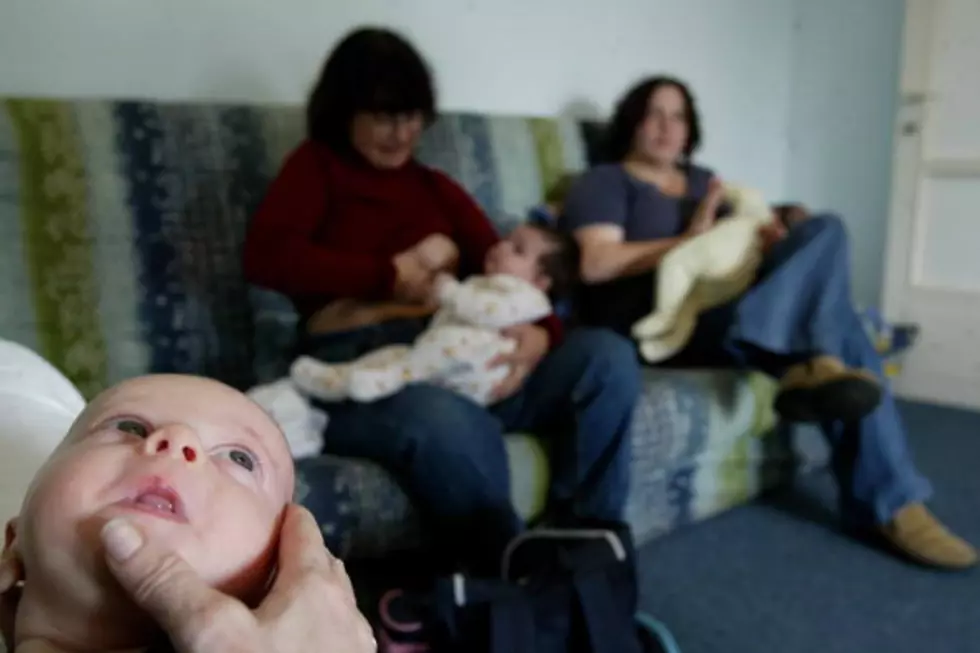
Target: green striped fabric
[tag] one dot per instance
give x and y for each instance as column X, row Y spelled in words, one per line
column 57, row 241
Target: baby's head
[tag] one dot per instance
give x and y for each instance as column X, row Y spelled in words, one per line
column 194, row 464
column 543, row 256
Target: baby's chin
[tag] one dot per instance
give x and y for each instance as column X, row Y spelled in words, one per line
column 74, row 570
column 74, row 559
column 76, row 591
column 80, row 608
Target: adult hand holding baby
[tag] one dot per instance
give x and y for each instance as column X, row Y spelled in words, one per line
column 707, row 212
column 310, row 607
column 413, row 282
column 417, row 267
column 771, row 234
column 532, row 345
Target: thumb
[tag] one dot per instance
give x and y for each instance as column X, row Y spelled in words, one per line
column 707, row 209
column 716, row 195
column 160, row 581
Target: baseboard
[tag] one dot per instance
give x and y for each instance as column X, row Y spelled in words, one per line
column 942, row 389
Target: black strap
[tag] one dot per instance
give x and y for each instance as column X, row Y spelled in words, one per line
column 611, row 630
column 512, row 626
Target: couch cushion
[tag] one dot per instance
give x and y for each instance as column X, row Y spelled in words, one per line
column 695, row 453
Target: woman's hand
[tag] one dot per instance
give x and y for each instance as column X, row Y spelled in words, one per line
column 436, row 253
column 791, row 214
column 532, row 345
column 707, row 211
column 413, row 282
column 309, row 608
column 771, row 233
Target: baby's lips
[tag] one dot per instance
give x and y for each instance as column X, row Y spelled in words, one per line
column 156, row 496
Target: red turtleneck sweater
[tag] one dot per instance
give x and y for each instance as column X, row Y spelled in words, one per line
column 329, row 227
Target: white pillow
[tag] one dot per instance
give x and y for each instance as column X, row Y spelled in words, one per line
column 37, row 407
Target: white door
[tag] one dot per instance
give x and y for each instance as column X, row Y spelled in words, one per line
column 932, row 271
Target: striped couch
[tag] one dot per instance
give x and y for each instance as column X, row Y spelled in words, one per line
column 121, row 225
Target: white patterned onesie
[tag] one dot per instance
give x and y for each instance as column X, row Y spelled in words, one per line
column 453, row 352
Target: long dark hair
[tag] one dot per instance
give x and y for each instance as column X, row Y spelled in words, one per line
column 631, row 110
column 371, row 70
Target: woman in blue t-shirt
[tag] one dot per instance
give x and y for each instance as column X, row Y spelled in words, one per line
column 797, row 323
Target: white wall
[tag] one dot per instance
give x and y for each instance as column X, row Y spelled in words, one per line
column 842, row 114
column 512, row 56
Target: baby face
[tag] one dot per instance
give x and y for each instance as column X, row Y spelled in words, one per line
column 193, row 463
column 520, row 255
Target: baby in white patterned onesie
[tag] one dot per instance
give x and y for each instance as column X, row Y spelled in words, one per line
column 520, row 272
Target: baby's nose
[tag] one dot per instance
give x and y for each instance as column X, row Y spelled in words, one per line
column 176, row 441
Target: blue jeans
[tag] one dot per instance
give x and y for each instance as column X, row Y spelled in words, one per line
column 448, row 452
column 802, row 307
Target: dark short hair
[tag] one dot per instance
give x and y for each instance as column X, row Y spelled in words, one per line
column 562, row 263
column 631, row 110
column 371, row 70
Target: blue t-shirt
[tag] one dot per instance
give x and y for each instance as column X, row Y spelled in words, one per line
column 607, row 194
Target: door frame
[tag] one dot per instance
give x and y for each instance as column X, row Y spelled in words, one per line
column 911, row 166
column 908, row 151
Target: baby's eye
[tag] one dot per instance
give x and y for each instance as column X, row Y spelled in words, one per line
column 133, row 427
column 243, row 459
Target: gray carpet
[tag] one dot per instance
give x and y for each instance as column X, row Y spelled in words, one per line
column 778, row 576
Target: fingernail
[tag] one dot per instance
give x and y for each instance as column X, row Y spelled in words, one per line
column 7, row 577
column 121, row 539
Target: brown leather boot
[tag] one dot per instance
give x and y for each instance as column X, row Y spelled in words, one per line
column 918, row 534
column 824, row 389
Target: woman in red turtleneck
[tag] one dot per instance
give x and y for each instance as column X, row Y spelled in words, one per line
column 328, row 235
